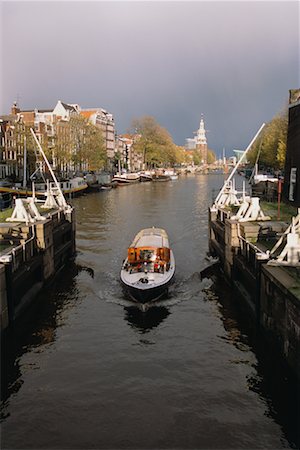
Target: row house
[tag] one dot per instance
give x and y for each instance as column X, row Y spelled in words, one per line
column 129, row 158
column 53, row 131
column 105, row 121
column 122, row 152
column 65, row 111
column 12, row 138
column 12, row 141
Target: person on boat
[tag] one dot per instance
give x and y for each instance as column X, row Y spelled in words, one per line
column 162, row 266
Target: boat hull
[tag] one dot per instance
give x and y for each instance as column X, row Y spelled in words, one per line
column 122, row 181
column 161, row 178
column 126, row 178
column 146, row 295
column 146, row 178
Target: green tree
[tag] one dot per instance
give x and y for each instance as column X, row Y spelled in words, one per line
column 211, row 156
column 95, row 151
column 180, row 154
column 78, row 125
column 154, row 143
column 63, row 148
column 87, row 142
column 281, row 152
column 270, row 147
column 196, row 158
column 31, row 160
column 24, row 140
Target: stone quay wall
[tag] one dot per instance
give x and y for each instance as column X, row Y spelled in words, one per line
column 271, row 293
column 31, row 257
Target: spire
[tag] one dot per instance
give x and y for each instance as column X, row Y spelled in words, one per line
column 201, row 138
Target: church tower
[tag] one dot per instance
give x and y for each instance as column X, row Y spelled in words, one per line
column 201, row 143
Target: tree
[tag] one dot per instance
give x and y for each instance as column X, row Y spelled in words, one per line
column 211, row 156
column 80, row 145
column 196, row 158
column 96, row 156
column 281, row 152
column 78, row 126
column 62, row 151
column 23, row 139
column 154, row 143
column 180, row 154
column 31, row 161
column 271, row 145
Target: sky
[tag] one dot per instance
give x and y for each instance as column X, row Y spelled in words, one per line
column 234, row 62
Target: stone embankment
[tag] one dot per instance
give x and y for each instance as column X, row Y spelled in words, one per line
column 32, row 252
column 260, row 259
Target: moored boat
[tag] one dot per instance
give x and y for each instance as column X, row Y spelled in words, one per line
column 160, row 175
column 99, row 181
column 126, row 178
column 146, row 176
column 149, row 267
column 172, row 174
column 72, row 186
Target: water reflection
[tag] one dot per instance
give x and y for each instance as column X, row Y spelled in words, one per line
column 144, row 321
column 183, row 348
column 271, row 378
column 37, row 327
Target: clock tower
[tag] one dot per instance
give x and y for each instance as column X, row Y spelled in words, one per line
column 201, row 143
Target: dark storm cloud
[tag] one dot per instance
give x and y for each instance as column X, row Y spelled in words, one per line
column 232, row 61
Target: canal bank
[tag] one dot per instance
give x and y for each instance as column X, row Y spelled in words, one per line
column 260, row 260
column 35, row 245
column 185, row 374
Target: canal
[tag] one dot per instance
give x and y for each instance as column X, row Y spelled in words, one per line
column 90, row 370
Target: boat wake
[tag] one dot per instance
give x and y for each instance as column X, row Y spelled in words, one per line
column 190, row 287
column 181, row 290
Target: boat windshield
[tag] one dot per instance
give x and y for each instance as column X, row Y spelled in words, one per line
column 147, row 255
column 147, row 267
column 148, row 259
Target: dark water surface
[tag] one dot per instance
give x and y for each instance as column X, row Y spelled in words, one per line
column 93, row 371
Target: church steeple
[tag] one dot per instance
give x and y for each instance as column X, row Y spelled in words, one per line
column 201, row 142
column 201, row 138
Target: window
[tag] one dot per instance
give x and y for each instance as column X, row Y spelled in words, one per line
column 147, row 255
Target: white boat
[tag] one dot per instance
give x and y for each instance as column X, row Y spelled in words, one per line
column 149, row 267
column 126, row 178
column 72, row 186
column 160, row 175
column 258, row 178
column 172, row 174
column 146, row 176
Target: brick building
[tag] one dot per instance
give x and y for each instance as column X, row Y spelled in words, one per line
column 12, row 136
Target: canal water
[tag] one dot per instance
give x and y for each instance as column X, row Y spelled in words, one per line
column 91, row 370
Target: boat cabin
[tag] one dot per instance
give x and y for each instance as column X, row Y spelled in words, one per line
column 149, row 259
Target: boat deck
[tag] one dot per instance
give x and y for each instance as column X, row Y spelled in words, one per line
column 153, row 237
